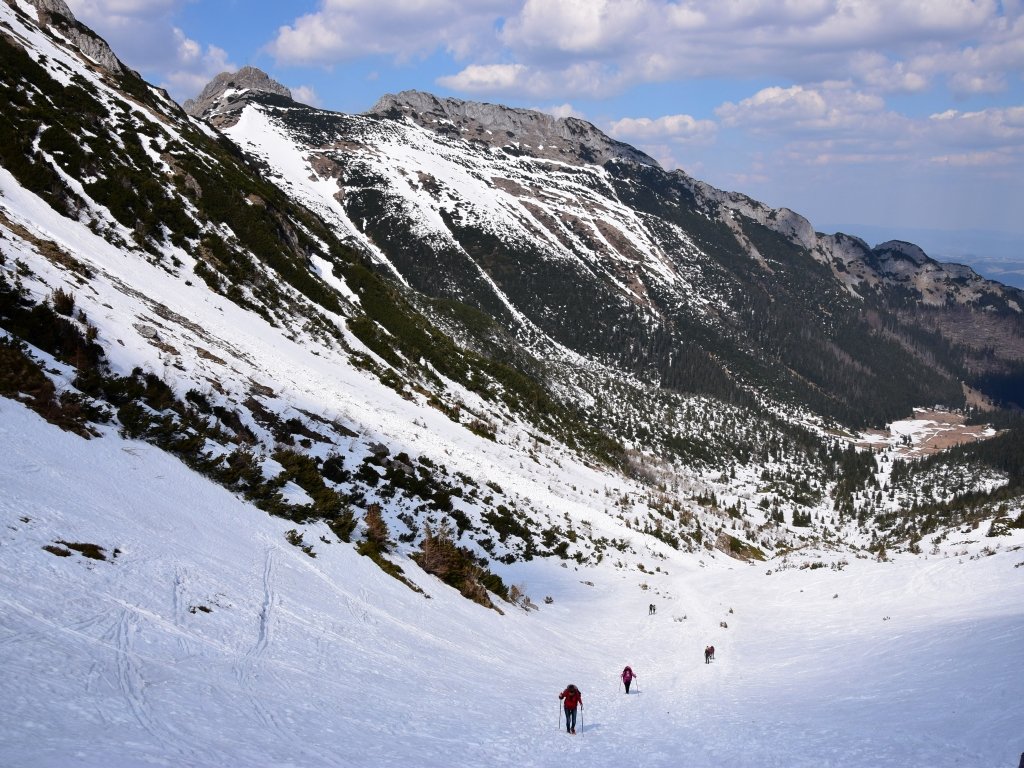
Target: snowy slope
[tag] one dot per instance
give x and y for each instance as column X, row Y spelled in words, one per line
column 326, row 661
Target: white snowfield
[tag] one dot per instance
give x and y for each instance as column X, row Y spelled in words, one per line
column 209, row 640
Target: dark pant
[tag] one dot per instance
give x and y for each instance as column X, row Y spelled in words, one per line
column 570, row 719
column 626, row 683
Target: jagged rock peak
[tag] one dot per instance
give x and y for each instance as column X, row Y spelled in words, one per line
column 53, row 6
column 89, row 43
column 245, row 79
column 568, row 139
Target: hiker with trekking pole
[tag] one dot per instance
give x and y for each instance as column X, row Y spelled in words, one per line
column 627, row 677
column 571, row 699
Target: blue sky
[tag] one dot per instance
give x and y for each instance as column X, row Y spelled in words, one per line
column 874, row 117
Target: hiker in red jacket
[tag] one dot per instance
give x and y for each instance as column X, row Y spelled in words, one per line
column 627, row 677
column 571, row 698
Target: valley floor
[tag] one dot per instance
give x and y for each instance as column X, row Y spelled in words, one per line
column 206, row 639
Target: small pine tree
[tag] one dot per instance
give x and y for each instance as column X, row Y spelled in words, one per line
column 377, row 541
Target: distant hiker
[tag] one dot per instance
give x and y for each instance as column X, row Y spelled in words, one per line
column 708, row 654
column 651, row 609
column 712, row 652
column 627, row 677
column 571, row 698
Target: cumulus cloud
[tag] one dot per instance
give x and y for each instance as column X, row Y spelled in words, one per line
column 989, row 127
column 682, row 129
column 485, row 78
column 828, row 107
column 194, row 66
column 346, row 29
column 560, row 110
column 569, row 49
column 305, row 94
column 581, row 79
column 804, row 40
column 573, row 27
column 970, row 159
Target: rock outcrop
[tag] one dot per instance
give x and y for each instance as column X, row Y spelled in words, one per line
column 56, row 13
column 520, row 131
column 218, row 99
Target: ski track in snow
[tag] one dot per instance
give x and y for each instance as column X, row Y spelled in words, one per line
column 250, row 666
column 329, row 662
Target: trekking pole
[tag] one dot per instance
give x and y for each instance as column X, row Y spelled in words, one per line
column 559, row 715
column 581, row 721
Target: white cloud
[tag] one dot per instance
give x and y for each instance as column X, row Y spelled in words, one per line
column 882, row 75
column 970, row 159
column 682, row 129
column 578, row 26
column 560, row 110
column 828, row 107
column 989, row 127
column 483, row 78
column 966, row 83
column 194, row 66
column 305, row 94
column 570, row 49
column 346, row 29
column 882, row 46
column 581, row 79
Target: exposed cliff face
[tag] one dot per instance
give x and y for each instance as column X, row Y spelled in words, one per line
column 522, row 131
column 219, row 100
column 57, row 13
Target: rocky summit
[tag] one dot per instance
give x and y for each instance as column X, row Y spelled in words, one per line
column 227, row 87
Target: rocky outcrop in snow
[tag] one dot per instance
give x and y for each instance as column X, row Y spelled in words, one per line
column 521, row 131
column 57, row 14
column 219, row 96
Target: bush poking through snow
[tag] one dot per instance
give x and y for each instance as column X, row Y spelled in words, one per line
column 456, row 566
column 295, row 539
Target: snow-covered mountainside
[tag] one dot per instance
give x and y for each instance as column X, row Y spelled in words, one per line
column 205, row 639
column 345, row 400
column 556, row 230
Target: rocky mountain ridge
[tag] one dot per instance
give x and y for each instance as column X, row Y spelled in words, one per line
column 533, row 133
column 579, row 238
column 578, row 142
column 57, row 14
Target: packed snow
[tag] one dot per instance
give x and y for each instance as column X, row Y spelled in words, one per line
column 206, row 639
